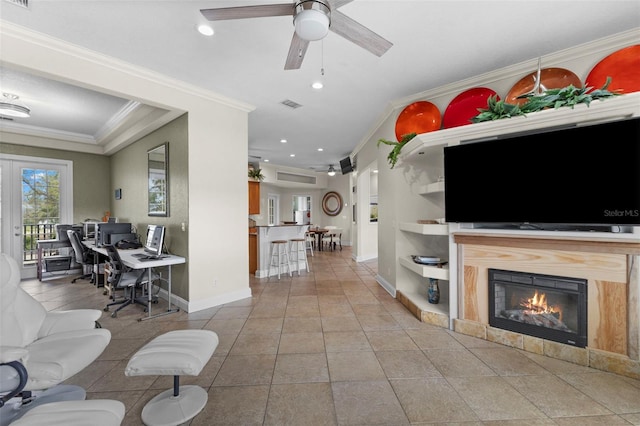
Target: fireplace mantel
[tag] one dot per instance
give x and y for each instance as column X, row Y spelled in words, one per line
column 609, row 263
column 626, row 244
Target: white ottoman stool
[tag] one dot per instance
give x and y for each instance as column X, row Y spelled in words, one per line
column 95, row 412
column 174, row 353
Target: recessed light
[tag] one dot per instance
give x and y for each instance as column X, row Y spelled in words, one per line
column 317, row 85
column 283, row 140
column 320, row 149
column 266, row 160
column 292, row 155
column 205, row 30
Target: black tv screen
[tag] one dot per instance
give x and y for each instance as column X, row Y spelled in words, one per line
column 346, row 166
column 588, row 175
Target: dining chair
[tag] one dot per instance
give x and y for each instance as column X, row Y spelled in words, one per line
column 327, row 238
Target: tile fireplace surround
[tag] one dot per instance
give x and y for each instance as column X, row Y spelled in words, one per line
column 610, row 267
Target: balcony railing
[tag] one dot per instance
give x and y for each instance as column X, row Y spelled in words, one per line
column 32, row 234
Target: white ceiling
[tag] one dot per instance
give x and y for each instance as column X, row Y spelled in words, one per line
column 434, row 43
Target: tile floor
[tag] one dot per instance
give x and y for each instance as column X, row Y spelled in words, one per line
column 331, row 347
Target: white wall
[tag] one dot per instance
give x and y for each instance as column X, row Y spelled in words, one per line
column 217, row 177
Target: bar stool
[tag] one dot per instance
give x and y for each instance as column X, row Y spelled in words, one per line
column 279, row 257
column 297, row 246
column 309, row 241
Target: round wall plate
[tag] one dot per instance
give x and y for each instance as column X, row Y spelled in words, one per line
column 332, row 203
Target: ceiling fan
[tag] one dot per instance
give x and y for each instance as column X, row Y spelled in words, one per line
column 312, row 20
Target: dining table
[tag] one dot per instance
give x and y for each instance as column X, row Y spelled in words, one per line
column 319, row 232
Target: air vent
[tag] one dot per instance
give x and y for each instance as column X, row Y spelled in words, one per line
column 23, row 3
column 296, row 178
column 290, row 104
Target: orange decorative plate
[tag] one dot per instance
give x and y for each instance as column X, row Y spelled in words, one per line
column 622, row 66
column 419, row 117
column 550, row 78
column 465, row 106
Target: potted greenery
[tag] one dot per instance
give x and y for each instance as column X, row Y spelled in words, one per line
column 397, row 147
column 256, row 174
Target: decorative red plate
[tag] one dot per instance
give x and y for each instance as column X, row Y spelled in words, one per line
column 465, row 106
column 550, row 78
column 622, row 66
column 419, row 117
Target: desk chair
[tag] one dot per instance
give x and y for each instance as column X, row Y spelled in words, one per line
column 41, row 349
column 84, row 256
column 121, row 277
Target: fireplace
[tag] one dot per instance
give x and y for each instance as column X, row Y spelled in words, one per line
column 545, row 306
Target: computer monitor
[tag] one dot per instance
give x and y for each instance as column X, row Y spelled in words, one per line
column 105, row 229
column 155, row 240
column 89, row 230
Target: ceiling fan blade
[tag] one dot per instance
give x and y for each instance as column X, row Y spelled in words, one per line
column 243, row 12
column 297, row 50
column 339, row 3
column 357, row 33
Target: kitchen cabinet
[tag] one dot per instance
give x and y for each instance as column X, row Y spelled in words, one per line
column 254, row 197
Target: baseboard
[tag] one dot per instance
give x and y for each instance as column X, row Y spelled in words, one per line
column 187, row 306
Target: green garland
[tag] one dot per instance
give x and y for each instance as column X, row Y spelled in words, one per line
column 397, row 146
column 569, row 96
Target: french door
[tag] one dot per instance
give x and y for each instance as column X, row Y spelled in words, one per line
column 35, row 194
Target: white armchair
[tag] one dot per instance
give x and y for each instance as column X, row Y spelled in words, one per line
column 40, row 349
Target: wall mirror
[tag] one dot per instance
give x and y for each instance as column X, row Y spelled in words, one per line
column 158, row 166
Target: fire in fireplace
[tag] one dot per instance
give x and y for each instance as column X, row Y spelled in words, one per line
column 545, row 306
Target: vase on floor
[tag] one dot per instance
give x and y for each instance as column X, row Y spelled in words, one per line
column 433, row 293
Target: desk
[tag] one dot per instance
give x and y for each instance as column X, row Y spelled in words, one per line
column 43, row 245
column 133, row 262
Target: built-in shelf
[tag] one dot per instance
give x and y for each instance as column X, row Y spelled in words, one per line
column 419, row 300
column 426, row 271
column 432, row 188
column 425, row 229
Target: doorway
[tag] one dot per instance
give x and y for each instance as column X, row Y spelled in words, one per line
column 302, row 209
column 35, row 195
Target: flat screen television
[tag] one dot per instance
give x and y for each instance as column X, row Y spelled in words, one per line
column 155, row 240
column 346, row 166
column 582, row 175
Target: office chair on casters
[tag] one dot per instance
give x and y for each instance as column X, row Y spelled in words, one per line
column 121, row 277
column 40, row 349
column 84, row 256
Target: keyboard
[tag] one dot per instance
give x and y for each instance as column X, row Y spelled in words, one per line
column 147, row 256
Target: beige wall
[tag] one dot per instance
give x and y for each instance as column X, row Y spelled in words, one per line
column 129, row 173
column 91, row 178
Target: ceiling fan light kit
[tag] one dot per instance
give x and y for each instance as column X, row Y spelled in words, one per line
column 312, row 19
column 332, row 171
column 11, row 107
